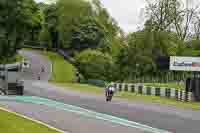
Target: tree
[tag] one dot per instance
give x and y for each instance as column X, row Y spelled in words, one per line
column 170, row 15
column 88, row 34
column 183, row 23
column 196, row 26
column 105, row 19
column 31, row 9
column 113, row 33
column 161, row 13
column 135, row 58
column 15, row 20
column 50, row 24
column 70, row 13
column 93, row 64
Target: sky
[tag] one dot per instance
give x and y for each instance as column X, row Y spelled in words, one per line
column 128, row 13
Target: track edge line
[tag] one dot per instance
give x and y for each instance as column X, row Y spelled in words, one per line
column 33, row 120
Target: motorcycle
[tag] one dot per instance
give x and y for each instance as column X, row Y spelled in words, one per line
column 109, row 95
column 38, row 77
column 43, row 69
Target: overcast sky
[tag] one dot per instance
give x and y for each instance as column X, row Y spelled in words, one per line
column 128, row 13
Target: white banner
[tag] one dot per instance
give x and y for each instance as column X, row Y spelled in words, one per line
column 184, row 63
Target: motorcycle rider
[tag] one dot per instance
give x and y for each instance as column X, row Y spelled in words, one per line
column 43, row 69
column 110, row 89
column 38, row 76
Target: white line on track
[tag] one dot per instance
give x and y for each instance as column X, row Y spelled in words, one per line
column 31, row 119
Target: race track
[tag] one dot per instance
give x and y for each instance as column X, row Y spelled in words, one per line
column 167, row 118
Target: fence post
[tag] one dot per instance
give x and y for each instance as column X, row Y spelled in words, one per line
column 144, row 90
column 173, row 93
column 153, row 91
column 129, row 87
column 183, row 96
column 179, row 95
column 133, row 86
column 120, row 87
column 162, row 92
column 123, row 86
column 117, row 86
column 136, row 88
column 190, row 97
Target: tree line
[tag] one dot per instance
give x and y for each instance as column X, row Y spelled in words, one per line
column 94, row 39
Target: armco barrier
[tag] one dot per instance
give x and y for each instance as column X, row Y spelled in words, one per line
column 33, row 47
column 183, row 96
column 155, row 91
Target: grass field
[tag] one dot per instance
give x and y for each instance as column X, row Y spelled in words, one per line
column 10, row 123
column 90, row 89
column 62, row 70
column 179, row 86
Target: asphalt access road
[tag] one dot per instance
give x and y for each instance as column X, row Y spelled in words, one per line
column 37, row 62
column 158, row 116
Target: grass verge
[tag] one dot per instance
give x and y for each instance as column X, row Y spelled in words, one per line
column 10, row 123
column 19, row 58
column 62, row 71
column 130, row 96
column 82, row 88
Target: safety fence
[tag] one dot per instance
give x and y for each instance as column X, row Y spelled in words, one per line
column 173, row 93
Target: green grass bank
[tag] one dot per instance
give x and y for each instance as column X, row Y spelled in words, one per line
column 62, row 71
column 11, row 123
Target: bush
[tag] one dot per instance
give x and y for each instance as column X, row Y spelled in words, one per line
column 94, row 64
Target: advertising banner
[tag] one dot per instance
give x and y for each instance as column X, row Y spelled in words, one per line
column 178, row 63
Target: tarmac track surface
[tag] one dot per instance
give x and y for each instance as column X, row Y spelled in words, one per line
column 67, row 121
column 157, row 116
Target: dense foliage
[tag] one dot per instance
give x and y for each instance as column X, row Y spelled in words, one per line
column 19, row 20
column 78, row 25
column 95, row 65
